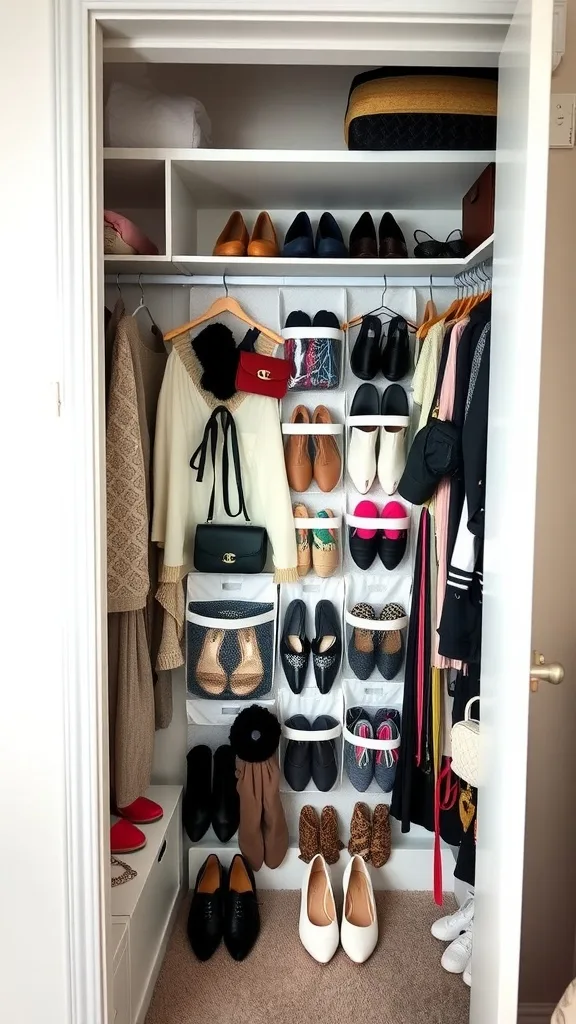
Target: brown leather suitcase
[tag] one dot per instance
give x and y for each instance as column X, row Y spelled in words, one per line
column 478, row 209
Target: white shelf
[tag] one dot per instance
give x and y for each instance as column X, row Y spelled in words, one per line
column 311, row 179
column 338, row 271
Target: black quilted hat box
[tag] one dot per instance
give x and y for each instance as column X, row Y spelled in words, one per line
column 422, row 108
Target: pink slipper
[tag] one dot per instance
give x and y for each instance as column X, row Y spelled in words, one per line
column 392, row 541
column 363, row 542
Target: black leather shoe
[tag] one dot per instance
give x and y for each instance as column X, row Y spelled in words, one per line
column 298, row 756
column 299, row 240
column 206, row 917
column 225, row 799
column 365, row 356
column 295, row 646
column 329, row 240
column 396, row 351
column 326, row 646
column 324, row 758
column 391, row 241
column 241, row 916
column 197, row 804
column 363, row 245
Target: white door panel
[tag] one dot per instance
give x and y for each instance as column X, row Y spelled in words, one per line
column 524, row 91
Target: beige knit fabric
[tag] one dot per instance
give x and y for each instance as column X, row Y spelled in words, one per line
column 132, row 711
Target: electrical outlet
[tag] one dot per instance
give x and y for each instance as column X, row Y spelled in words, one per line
column 562, row 107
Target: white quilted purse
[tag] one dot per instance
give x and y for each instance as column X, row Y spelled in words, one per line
column 465, row 746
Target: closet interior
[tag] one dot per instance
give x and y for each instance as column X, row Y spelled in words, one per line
column 364, row 529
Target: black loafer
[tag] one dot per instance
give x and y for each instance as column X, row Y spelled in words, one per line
column 297, row 758
column 326, row 646
column 295, row 646
column 225, row 799
column 396, row 351
column 197, row 804
column 329, row 240
column 365, row 356
column 324, row 758
column 299, row 240
column 241, row 915
column 206, row 917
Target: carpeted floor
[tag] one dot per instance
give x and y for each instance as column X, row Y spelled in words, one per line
column 403, row 982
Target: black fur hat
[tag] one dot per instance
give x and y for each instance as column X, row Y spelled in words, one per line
column 255, row 734
column 217, row 354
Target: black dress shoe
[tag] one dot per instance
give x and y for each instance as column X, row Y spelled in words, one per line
column 298, row 756
column 326, row 646
column 295, row 646
column 363, row 245
column 392, row 244
column 365, row 356
column 206, row 917
column 299, row 240
column 241, row 915
column 225, row 799
column 396, row 351
column 324, row 758
column 197, row 804
column 329, row 240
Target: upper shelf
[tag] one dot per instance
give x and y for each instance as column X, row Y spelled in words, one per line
column 318, row 179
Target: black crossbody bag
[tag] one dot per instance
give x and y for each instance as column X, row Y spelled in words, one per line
column 231, row 547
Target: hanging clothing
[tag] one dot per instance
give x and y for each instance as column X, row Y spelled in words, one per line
column 136, row 703
column 426, row 372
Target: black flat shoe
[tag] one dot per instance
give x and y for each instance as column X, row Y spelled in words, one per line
column 326, row 646
column 329, row 240
column 241, row 915
column 299, row 240
column 396, row 351
column 197, row 804
column 324, row 758
column 206, row 917
column 298, row 756
column 225, row 799
column 295, row 646
column 365, row 356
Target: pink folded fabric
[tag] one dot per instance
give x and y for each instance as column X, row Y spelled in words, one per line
column 130, row 233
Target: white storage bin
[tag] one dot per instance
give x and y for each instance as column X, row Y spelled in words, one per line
column 139, row 116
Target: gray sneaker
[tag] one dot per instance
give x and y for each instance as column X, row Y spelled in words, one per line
column 359, row 761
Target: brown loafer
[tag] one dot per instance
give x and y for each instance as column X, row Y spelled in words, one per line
column 263, row 241
column 327, row 460
column 363, row 245
column 296, row 454
column 392, row 244
column 233, row 239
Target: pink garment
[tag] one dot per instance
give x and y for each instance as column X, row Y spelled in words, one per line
column 442, row 500
column 130, row 233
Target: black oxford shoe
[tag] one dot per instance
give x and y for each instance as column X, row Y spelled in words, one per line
column 206, row 916
column 241, row 916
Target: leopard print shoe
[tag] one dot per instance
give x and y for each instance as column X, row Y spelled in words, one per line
column 360, row 831
column 309, row 833
column 381, row 841
column 330, row 843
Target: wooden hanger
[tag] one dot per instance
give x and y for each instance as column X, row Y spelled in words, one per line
column 225, row 304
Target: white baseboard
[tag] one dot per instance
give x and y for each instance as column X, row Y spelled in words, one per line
column 407, row 869
column 535, row 1013
column 163, row 946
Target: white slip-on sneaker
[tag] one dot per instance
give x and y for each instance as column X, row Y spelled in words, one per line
column 467, row 973
column 456, row 956
column 318, row 927
column 361, row 459
column 359, row 931
column 448, row 928
column 392, row 454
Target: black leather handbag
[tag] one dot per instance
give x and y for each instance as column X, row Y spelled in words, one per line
column 230, row 547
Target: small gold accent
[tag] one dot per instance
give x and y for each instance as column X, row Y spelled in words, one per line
column 229, row 557
column 264, row 374
column 541, row 672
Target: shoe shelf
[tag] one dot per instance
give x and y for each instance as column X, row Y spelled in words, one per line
column 182, row 199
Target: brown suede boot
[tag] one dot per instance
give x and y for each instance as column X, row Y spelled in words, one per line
column 330, row 844
column 250, row 837
column 381, row 844
column 360, row 831
column 274, row 826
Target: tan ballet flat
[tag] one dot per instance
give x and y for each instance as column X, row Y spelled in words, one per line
column 263, row 240
column 303, row 553
column 296, row 454
column 250, row 672
column 210, row 674
column 233, row 239
column 327, row 460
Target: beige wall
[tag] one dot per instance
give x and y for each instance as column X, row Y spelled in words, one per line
column 549, row 922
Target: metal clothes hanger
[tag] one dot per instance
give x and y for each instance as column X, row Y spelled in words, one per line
column 377, row 312
column 430, row 310
column 225, row 304
column 142, row 305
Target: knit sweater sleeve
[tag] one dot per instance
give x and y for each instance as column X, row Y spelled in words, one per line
column 171, row 454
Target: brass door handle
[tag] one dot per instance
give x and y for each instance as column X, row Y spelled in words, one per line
column 546, row 673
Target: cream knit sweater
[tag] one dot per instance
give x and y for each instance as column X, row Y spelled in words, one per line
column 180, row 502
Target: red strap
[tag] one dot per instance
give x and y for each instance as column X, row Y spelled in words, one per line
column 420, row 671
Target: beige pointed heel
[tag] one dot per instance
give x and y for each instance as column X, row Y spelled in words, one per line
column 210, row 674
column 250, row 672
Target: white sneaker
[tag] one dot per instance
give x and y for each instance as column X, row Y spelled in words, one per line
column 359, row 931
column 449, row 927
column 467, row 973
column 364, row 414
column 456, row 956
column 392, row 454
column 318, row 927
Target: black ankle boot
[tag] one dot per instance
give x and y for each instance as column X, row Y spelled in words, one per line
column 197, row 805
column 225, row 799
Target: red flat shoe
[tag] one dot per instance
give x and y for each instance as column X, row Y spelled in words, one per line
column 126, row 838
column 141, row 811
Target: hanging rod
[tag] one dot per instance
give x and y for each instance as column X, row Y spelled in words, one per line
column 188, row 280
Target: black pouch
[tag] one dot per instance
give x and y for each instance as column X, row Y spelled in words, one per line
column 229, row 547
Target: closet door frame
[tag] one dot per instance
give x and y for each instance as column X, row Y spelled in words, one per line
column 77, row 61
